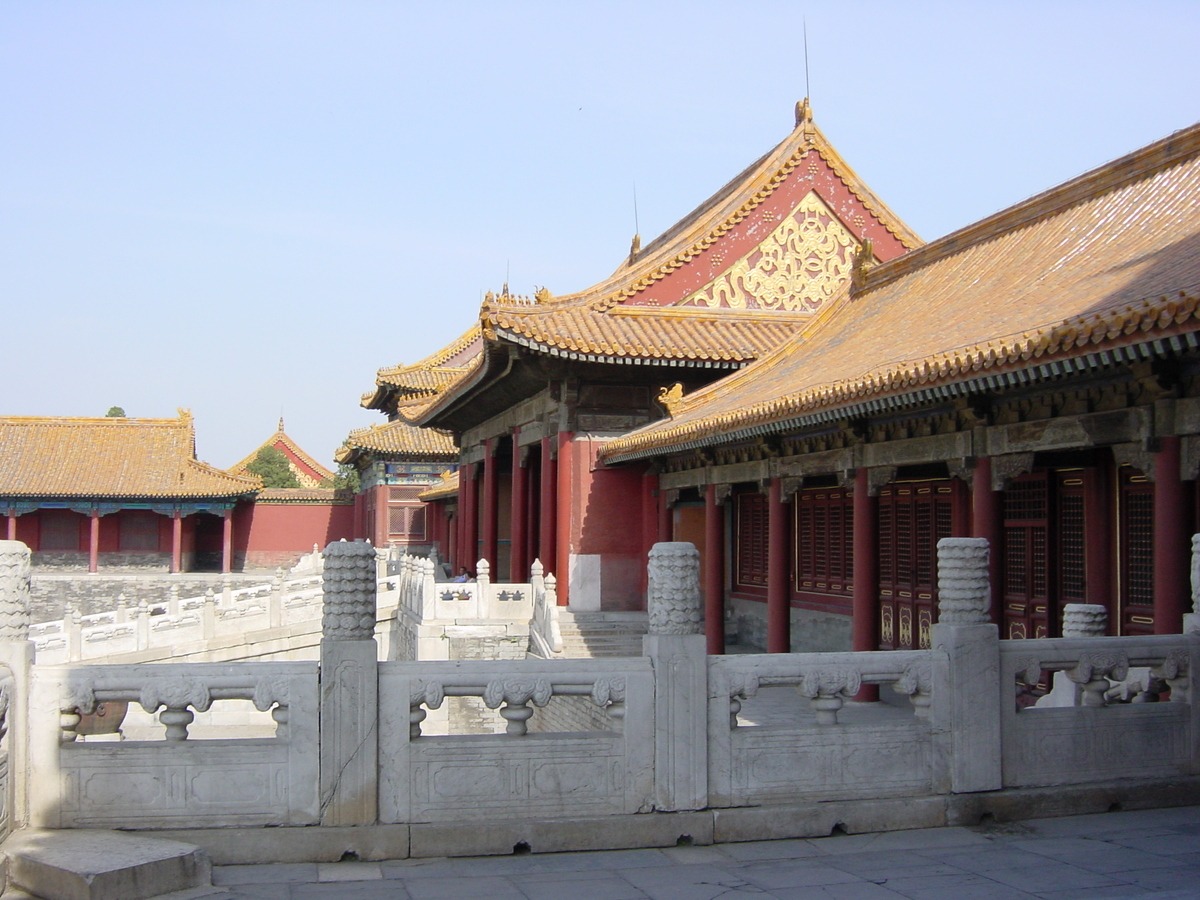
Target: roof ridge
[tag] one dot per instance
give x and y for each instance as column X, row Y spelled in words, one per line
column 1145, row 162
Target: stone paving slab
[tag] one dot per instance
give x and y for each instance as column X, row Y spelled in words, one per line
column 1143, row 855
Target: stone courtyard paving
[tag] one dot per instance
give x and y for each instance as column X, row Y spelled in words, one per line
column 1152, row 854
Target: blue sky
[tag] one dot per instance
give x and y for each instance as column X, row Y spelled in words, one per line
column 249, row 207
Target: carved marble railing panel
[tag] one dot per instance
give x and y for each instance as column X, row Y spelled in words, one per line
column 176, row 782
column 1108, row 733
column 545, row 634
column 438, row 778
column 818, row 757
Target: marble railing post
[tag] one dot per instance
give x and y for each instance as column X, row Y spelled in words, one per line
column 678, row 652
column 16, row 655
column 349, row 686
column 208, row 616
column 965, row 714
column 1191, row 621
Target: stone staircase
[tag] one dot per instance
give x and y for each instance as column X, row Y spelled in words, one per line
column 588, row 635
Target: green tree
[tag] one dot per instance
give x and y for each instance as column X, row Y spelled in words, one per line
column 347, row 477
column 115, row 412
column 272, row 467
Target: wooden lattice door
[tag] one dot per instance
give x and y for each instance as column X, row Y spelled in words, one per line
column 1136, row 542
column 1027, row 557
column 913, row 517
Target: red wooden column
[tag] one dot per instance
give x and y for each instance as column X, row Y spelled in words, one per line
column 490, row 506
column 227, row 543
column 12, row 525
column 864, row 601
column 547, row 503
column 1170, row 540
column 779, row 620
column 517, row 571
column 562, row 562
column 649, row 524
column 176, row 541
column 986, row 512
column 468, row 492
column 714, row 572
column 94, row 542
column 1098, row 534
column 664, row 515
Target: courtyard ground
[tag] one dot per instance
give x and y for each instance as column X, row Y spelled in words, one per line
column 1117, row 855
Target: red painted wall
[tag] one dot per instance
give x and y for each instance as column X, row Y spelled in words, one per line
column 268, row 534
column 606, row 519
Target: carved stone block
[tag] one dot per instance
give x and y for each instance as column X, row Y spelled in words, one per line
column 1084, row 620
column 349, row 583
column 14, row 591
column 674, row 599
column 964, row 590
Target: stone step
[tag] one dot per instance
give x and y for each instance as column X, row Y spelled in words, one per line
column 106, row 865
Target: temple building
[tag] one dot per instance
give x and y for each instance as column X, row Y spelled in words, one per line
column 130, row 491
column 1030, row 379
column 789, row 379
column 544, row 382
column 397, row 461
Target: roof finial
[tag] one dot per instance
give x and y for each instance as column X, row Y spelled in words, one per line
column 803, row 113
column 281, row 424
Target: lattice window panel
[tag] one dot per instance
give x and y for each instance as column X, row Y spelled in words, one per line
column 406, row 493
column 1016, row 561
column 1071, row 549
column 824, row 540
column 407, row 522
column 887, row 559
column 752, row 540
column 1027, row 498
column 1139, row 548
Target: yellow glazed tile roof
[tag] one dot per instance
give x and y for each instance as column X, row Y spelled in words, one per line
column 1109, row 258
column 427, row 377
column 448, row 488
column 399, row 438
column 109, row 457
column 315, row 495
column 725, row 285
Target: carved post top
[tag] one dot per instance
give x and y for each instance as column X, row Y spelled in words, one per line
column 878, row 477
column 964, row 588
column 673, row 600
column 1084, row 620
column 1135, row 454
column 723, row 492
column 1008, row 466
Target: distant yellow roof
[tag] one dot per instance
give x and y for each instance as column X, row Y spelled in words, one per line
column 447, row 488
column 109, row 457
column 398, row 438
column 424, row 379
column 1108, row 259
